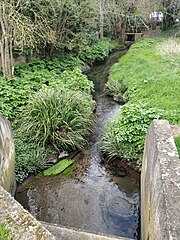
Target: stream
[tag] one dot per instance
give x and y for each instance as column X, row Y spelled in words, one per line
column 95, row 198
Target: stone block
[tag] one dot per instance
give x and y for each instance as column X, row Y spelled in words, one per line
column 7, row 157
column 160, row 185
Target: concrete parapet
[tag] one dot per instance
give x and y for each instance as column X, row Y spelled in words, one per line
column 7, row 157
column 65, row 233
column 20, row 223
column 160, row 185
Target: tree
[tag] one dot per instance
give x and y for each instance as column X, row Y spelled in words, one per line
column 6, row 41
column 18, row 30
column 118, row 14
column 74, row 23
column 171, row 11
column 44, row 25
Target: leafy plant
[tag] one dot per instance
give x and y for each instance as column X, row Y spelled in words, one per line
column 55, row 65
column 14, row 94
column 58, row 117
column 30, row 158
column 124, row 135
column 97, row 51
column 58, row 168
column 73, row 80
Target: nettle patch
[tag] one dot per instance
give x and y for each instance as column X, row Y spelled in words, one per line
column 124, row 136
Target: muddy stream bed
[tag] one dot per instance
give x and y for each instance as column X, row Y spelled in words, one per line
column 97, row 197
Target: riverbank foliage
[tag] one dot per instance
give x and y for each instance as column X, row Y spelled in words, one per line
column 147, row 77
column 57, row 117
column 124, row 135
column 50, row 105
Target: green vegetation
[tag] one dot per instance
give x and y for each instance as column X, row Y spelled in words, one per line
column 58, row 168
column 124, row 135
column 177, row 142
column 58, row 117
column 50, row 105
column 73, row 80
column 4, row 233
column 30, row 158
column 98, row 51
column 147, row 75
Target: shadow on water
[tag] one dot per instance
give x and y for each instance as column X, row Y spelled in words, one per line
column 95, row 197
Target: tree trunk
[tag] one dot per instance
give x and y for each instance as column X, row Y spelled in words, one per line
column 101, row 20
column 2, row 55
column 7, row 59
column 11, row 57
column 5, row 43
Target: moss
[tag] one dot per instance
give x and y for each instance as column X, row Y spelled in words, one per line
column 58, row 168
column 4, row 233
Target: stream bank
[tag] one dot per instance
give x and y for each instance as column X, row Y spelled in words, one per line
column 95, row 197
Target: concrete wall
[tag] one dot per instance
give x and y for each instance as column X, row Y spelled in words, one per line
column 19, row 222
column 160, row 185
column 7, row 157
column 160, row 191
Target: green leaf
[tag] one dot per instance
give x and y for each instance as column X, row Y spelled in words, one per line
column 58, row 168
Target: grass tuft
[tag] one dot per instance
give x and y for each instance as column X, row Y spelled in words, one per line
column 58, row 118
column 177, row 142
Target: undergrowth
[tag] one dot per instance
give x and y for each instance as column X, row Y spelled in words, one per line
column 124, row 136
column 50, row 106
column 149, row 77
column 98, row 51
column 30, row 158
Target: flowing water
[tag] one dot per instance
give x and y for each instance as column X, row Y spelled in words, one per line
column 95, row 197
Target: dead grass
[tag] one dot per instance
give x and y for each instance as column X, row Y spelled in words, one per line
column 169, row 46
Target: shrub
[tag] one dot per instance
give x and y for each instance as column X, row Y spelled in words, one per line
column 97, row 51
column 30, row 158
column 124, row 135
column 58, row 117
column 15, row 93
column 73, row 80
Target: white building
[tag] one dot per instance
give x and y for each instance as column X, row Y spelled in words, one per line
column 156, row 16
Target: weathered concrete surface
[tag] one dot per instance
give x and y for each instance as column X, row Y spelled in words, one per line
column 64, row 233
column 160, row 185
column 7, row 157
column 19, row 222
